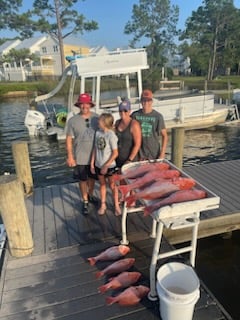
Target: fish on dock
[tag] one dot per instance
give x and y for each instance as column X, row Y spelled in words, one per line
column 123, row 280
column 161, row 189
column 113, row 253
column 176, row 197
column 130, row 296
column 140, row 169
column 117, row 267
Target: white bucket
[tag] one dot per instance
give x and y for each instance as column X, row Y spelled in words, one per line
column 178, row 291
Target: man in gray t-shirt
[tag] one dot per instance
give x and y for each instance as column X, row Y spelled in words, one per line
column 153, row 128
column 81, row 130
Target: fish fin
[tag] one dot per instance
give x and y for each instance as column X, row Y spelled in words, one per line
column 102, row 289
column 110, row 300
column 99, row 274
column 92, row 261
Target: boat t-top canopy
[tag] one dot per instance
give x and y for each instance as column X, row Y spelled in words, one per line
column 120, row 62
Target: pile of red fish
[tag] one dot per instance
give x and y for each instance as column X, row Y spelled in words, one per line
column 122, row 279
column 159, row 184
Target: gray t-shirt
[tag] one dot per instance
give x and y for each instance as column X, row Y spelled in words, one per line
column 151, row 124
column 83, row 132
column 105, row 143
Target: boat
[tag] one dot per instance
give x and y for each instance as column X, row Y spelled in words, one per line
column 191, row 110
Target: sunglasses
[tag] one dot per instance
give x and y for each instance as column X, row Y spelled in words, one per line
column 146, row 100
column 87, row 123
column 125, row 111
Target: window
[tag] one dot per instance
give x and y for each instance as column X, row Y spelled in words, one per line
column 44, row 50
column 55, row 48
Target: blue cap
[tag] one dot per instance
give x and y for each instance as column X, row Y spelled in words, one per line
column 124, row 106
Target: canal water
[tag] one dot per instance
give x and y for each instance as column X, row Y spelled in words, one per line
column 218, row 259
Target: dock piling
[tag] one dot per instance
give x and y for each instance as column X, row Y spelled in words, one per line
column 15, row 217
column 22, row 165
column 177, row 146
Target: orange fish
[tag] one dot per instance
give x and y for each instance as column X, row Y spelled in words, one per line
column 176, row 197
column 112, row 253
column 123, row 280
column 161, row 189
column 117, row 267
column 148, row 178
column 130, row 296
column 139, row 170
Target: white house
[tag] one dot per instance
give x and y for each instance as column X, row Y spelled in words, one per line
column 17, row 71
column 47, row 48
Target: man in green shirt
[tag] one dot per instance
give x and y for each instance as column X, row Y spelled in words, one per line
column 153, row 129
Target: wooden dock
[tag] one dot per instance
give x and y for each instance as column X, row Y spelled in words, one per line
column 56, row 281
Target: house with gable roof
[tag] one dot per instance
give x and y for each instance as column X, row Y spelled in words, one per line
column 50, row 59
column 4, row 49
column 47, row 49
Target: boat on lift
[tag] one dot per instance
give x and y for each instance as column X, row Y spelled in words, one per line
column 193, row 110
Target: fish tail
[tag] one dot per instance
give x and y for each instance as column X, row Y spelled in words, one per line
column 110, row 300
column 92, row 261
column 124, row 189
column 117, row 177
column 102, row 289
column 147, row 211
column 99, row 274
column 130, row 200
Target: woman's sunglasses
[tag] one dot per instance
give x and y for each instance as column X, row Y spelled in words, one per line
column 87, row 123
column 125, row 111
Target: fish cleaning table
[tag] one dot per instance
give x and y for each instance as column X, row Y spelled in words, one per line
column 175, row 216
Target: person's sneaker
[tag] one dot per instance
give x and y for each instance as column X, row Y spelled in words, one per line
column 92, row 199
column 85, row 207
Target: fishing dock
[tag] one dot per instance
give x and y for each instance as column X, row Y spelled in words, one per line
column 56, row 281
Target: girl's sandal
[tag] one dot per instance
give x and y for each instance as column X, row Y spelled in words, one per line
column 102, row 209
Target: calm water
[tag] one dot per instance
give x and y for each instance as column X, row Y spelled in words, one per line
column 218, row 260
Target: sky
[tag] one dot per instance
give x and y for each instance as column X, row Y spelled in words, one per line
column 112, row 16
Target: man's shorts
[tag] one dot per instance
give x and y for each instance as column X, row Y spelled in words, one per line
column 83, row 173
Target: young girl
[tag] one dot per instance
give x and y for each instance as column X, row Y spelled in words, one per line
column 103, row 162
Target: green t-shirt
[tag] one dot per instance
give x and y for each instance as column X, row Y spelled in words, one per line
column 151, row 124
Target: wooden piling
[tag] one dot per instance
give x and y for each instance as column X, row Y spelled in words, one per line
column 14, row 216
column 177, row 146
column 22, row 165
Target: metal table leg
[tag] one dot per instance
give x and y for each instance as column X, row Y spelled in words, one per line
column 124, row 225
column 152, row 294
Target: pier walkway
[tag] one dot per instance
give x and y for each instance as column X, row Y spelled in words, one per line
column 56, row 281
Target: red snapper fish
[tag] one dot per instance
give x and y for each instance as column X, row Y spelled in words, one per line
column 112, row 253
column 130, row 296
column 176, row 197
column 138, row 171
column 123, row 280
column 117, row 267
column 147, row 178
column 161, row 189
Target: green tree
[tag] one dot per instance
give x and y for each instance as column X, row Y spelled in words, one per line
column 9, row 9
column 211, row 29
column 155, row 21
column 22, row 57
column 56, row 16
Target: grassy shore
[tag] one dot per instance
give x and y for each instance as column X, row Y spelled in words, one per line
column 223, row 83
column 43, row 87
